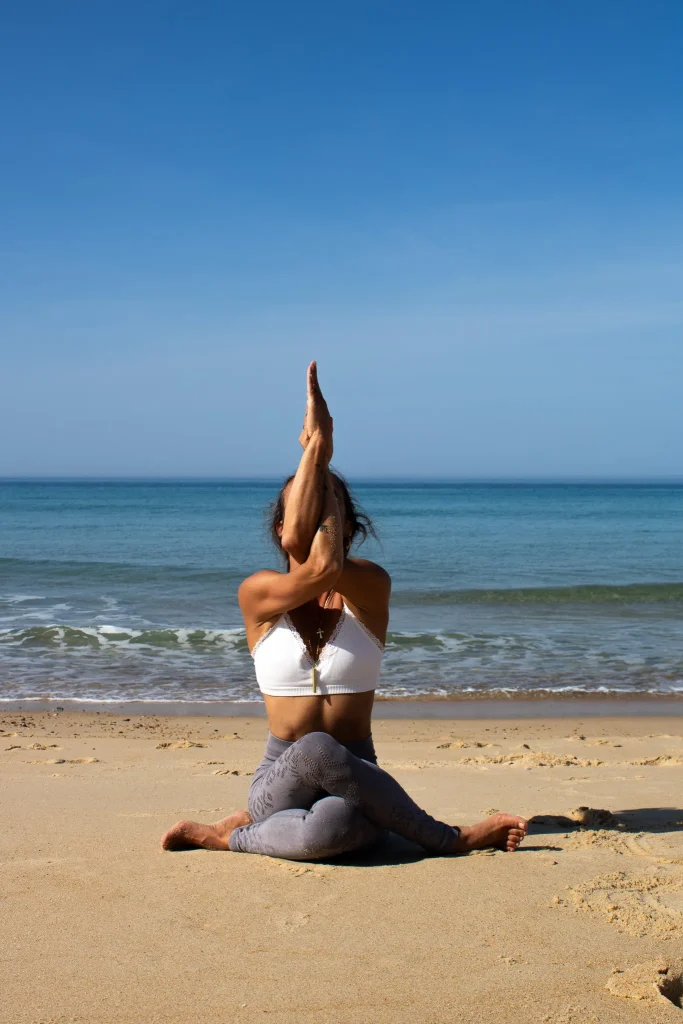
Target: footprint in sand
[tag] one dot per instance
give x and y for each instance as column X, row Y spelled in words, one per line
column 646, row 906
column 461, row 744
column 662, row 759
column 62, row 760
column 657, row 982
column 592, row 817
column 179, row 745
column 603, row 837
column 33, row 746
column 587, row 826
column 298, row 869
column 533, row 759
column 140, row 814
column 665, row 847
column 596, row 827
column 184, row 812
column 293, row 922
column 61, row 1020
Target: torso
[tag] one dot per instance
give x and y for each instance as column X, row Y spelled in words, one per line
column 346, row 716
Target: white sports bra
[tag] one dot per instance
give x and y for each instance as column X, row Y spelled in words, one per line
column 348, row 663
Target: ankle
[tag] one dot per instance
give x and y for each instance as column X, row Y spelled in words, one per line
column 462, row 844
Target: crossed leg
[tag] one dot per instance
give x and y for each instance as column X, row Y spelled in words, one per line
column 317, row 800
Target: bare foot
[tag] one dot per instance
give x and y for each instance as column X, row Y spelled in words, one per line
column 504, row 831
column 188, row 835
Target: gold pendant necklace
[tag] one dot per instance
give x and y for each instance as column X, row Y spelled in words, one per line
column 320, row 633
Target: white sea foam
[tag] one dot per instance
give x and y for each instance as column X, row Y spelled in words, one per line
column 124, row 662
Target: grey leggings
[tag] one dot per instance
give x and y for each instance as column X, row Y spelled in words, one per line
column 317, row 798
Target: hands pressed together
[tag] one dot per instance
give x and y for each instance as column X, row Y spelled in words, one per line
column 317, row 419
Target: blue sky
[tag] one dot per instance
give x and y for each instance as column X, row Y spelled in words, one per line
column 471, row 215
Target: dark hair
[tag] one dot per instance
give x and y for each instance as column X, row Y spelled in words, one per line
column 361, row 523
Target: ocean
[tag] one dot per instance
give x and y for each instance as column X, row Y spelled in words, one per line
column 126, row 590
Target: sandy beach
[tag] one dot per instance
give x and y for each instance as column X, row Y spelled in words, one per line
column 100, row 926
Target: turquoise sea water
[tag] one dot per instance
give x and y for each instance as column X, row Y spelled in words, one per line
column 127, row 590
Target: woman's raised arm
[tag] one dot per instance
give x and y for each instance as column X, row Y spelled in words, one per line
column 268, row 594
column 304, row 499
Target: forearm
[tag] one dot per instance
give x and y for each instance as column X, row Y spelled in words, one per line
column 268, row 594
column 305, row 499
column 327, row 547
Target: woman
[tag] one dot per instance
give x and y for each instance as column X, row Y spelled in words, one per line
column 316, row 633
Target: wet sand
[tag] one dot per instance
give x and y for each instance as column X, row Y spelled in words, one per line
column 636, row 704
column 101, row 927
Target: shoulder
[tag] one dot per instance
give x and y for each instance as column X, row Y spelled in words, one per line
column 366, row 587
column 255, row 583
column 369, row 572
column 365, row 566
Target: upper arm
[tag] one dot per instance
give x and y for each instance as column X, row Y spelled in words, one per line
column 269, row 594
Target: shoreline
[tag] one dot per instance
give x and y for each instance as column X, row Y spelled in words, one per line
column 598, row 706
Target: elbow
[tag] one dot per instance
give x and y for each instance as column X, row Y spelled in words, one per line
column 292, row 545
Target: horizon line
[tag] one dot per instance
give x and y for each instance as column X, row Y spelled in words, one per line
column 388, row 479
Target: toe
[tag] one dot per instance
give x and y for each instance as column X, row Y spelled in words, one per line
column 515, row 837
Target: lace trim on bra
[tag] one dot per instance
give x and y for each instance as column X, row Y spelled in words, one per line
column 264, row 637
column 368, row 632
column 333, row 636
column 328, row 643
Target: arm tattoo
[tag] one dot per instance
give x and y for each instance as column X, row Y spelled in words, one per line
column 323, row 528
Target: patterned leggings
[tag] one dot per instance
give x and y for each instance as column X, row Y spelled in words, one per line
column 316, row 798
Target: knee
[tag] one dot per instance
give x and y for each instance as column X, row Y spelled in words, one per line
column 321, row 744
column 333, row 821
column 322, row 762
column 334, row 828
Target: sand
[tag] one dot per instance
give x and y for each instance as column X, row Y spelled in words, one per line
column 99, row 926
